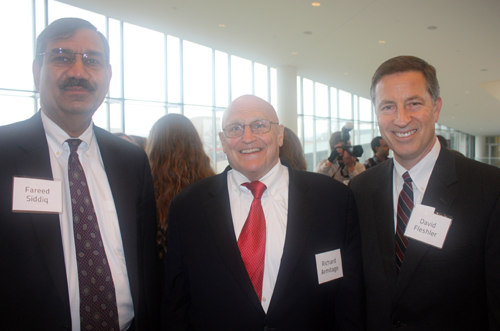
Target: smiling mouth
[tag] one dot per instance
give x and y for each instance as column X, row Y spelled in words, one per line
column 405, row 134
column 250, row 150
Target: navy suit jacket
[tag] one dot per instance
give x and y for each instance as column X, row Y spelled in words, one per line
column 208, row 288
column 33, row 284
column 453, row 288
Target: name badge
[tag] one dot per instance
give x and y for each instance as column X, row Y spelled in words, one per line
column 32, row 195
column 329, row 265
column 426, row 226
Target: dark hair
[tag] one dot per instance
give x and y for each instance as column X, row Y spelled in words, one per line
column 375, row 143
column 139, row 141
column 177, row 159
column 64, row 28
column 291, row 151
column 335, row 139
column 404, row 64
column 442, row 140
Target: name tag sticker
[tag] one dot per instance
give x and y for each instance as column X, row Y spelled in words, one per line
column 426, row 226
column 32, row 195
column 329, row 265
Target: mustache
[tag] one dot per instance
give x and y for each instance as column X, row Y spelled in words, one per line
column 80, row 82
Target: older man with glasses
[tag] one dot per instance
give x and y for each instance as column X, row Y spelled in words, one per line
column 262, row 246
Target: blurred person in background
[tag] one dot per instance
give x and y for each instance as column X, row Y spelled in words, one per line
column 177, row 159
column 344, row 167
column 380, row 150
column 139, row 141
column 291, row 151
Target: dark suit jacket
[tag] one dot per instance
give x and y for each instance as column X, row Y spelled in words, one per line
column 453, row 288
column 208, row 288
column 33, row 285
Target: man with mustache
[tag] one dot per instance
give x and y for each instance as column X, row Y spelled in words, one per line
column 429, row 218
column 262, row 246
column 77, row 214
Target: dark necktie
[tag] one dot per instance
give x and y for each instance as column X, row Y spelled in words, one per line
column 405, row 206
column 98, row 309
column 252, row 240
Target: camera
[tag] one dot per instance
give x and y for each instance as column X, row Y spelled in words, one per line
column 355, row 151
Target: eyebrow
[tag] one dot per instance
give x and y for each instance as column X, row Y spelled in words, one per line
column 69, row 51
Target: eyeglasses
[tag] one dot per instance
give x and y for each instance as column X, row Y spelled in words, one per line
column 61, row 57
column 257, row 127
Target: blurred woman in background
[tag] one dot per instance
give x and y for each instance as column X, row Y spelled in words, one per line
column 291, row 151
column 177, row 159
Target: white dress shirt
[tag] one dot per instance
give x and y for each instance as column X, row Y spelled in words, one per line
column 102, row 199
column 420, row 175
column 275, row 205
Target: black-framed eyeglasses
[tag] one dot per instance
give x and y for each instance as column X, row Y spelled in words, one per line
column 257, row 127
column 61, row 57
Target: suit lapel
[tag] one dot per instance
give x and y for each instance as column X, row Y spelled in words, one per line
column 437, row 195
column 300, row 211
column 218, row 214
column 384, row 219
column 125, row 203
column 34, row 161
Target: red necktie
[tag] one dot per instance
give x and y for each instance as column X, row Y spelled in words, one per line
column 252, row 240
column 405, row 206
column 98, row 310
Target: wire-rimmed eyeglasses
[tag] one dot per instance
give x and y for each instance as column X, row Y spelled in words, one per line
column 257, row 127
column 61, row 57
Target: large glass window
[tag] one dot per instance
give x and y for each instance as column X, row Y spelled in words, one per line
column 155, row 74
column 241, row 77
column 144, row 63
column 197, row 70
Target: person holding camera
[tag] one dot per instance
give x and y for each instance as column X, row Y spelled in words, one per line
column 341, row 165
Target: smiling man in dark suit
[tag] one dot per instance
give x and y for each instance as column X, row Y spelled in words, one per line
column 77, row 214
column 262, row 246
column 413, row 281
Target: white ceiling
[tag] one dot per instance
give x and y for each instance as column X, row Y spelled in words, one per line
column 338, row 44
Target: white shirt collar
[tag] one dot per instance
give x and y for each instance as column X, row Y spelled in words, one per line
column 56, row 136
column 272, row 179
column 421, row 172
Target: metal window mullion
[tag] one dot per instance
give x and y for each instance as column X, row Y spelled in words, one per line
column 122, row 83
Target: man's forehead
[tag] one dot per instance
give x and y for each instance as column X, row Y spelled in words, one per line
column 86, row 38
column 248, row 106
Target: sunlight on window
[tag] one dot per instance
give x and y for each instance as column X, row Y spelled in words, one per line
column 16, row 36
column 221, row 79
column 197, row 69
column 345, row 105
column 173, row 69
column 19, row 108
column 241, row 77
column 114, row 39
column 144, row 63
column 59, row 10
column 308, row 96
column 140, row 117
column 321, row 96
column 261, row 81
column 365, row 110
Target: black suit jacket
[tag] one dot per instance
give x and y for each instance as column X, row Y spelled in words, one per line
column 208, row 288
column 453, row 288
column 33, row 284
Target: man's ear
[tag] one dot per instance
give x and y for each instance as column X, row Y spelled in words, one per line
column 37, row 68
column 437, row 108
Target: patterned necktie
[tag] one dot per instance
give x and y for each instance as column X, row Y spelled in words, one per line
column 252, row 240
column 405, row 206
column 98, row 309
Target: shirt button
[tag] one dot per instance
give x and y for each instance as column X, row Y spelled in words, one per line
column 264, row 299
column 58, row 153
